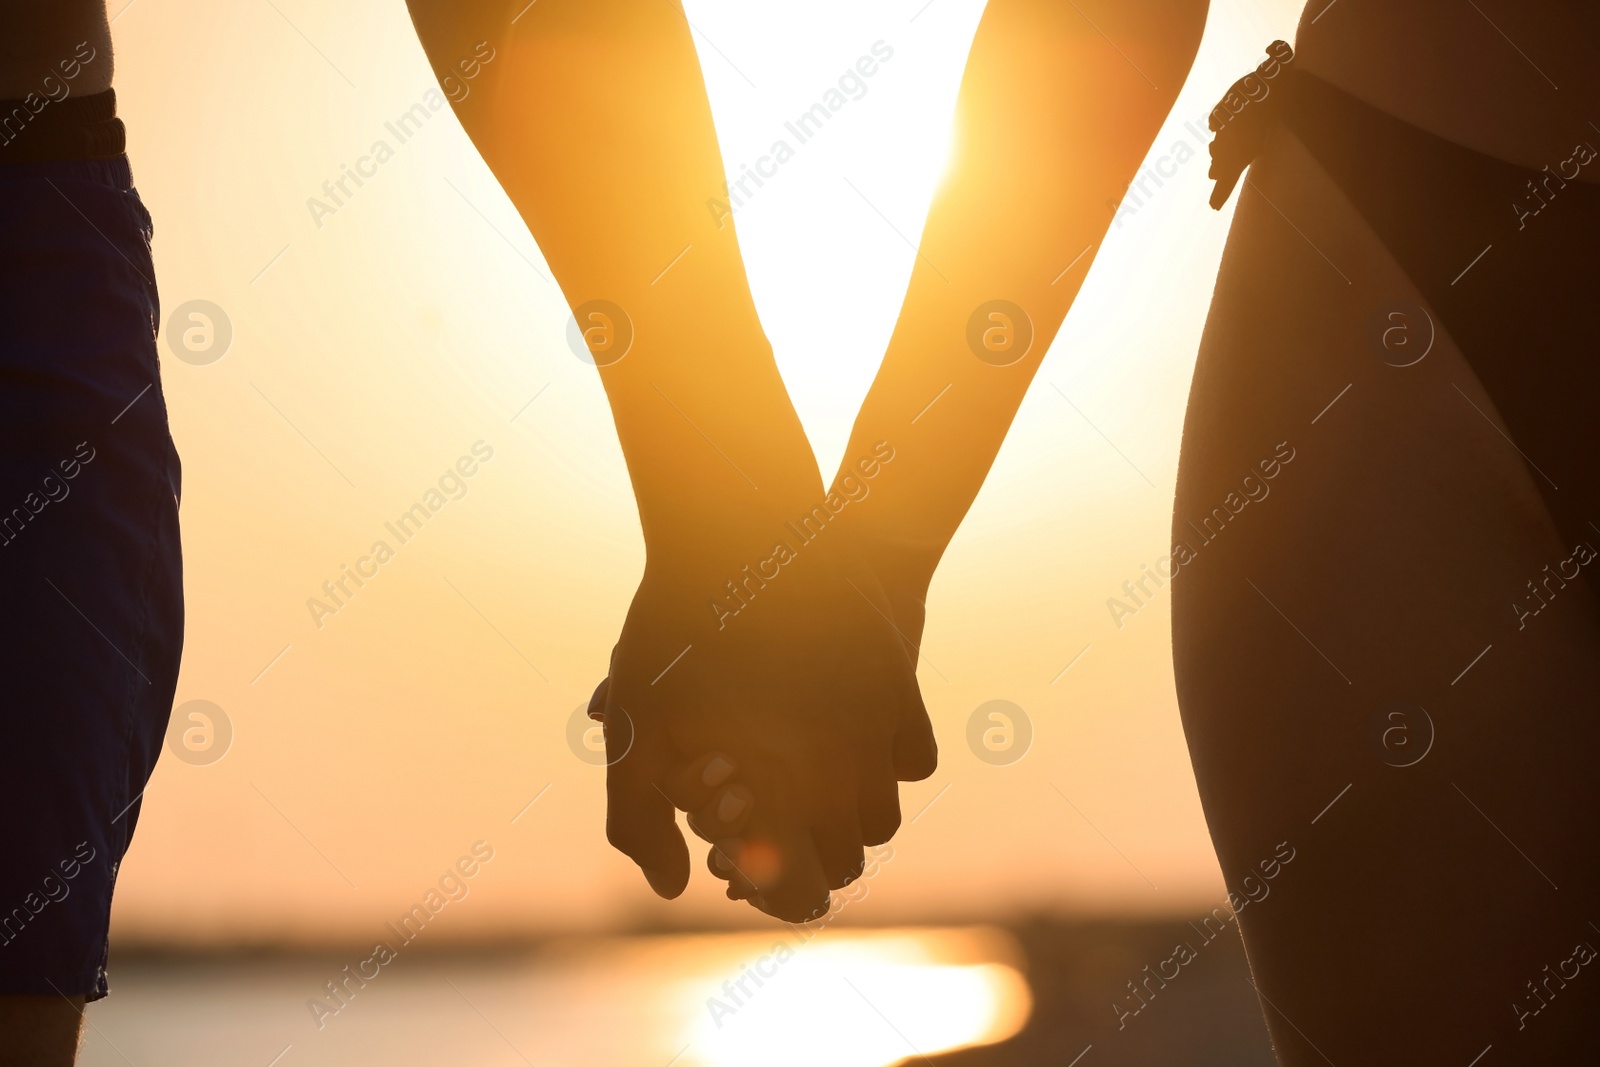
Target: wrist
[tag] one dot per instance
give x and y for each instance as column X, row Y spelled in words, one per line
column 708, row 539
column 904, row 564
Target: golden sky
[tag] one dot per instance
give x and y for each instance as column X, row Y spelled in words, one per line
column 376, row 345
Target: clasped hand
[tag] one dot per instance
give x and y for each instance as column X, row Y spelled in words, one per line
column 782, row 730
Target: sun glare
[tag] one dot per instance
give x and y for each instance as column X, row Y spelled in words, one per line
column 855, row 1000
column 835, row 128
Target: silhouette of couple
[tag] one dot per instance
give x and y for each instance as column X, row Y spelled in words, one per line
column 764, row 680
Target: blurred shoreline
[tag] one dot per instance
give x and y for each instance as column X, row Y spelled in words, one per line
column 1104, row 982
column 167, row 946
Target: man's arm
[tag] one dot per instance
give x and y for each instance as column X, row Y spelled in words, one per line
column 594, row 117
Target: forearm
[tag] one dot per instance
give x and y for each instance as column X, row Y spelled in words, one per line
column 594, row 117
column 1052, row 122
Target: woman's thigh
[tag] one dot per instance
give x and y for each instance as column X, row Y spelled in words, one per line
column 1360, row 671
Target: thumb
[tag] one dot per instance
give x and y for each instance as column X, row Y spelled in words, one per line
column 915, row 752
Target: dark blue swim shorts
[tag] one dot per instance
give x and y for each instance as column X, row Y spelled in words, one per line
column 91, row 592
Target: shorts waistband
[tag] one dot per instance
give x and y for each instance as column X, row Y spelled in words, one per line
column 115, row 173
column 77, row 128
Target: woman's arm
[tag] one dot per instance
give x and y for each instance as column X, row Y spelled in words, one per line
column 1059, row 104
column 1054, row 115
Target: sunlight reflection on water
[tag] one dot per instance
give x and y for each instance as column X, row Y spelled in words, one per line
column 856, row 1001
column 844, row 998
